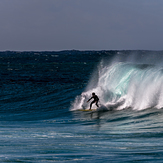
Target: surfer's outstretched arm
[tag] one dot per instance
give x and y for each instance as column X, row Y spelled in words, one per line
column 89, row 99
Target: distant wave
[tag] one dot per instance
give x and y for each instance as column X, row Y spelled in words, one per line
column 121, row 85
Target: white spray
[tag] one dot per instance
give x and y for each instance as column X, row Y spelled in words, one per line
column 123, row 85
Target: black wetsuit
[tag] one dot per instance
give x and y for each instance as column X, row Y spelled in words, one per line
column 96, row 99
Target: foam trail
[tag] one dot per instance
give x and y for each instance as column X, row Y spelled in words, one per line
column 123, row 85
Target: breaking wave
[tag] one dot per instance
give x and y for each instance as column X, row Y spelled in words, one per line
column 121, row 85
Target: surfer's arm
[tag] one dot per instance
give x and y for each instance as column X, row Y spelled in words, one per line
column 89, row 99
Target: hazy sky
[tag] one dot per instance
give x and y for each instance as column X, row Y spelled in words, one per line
column 81, row 24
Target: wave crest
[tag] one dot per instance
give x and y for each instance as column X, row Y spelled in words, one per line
column 125, row 85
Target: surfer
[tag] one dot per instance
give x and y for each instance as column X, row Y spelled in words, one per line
column 96, row 99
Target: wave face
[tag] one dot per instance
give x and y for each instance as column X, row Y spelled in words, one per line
column 124, row 84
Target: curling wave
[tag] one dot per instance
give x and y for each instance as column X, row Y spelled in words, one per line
column 125, row 85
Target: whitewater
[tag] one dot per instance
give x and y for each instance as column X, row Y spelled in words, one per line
column 125, row 83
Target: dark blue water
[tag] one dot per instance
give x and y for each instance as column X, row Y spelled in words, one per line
column 42, row 93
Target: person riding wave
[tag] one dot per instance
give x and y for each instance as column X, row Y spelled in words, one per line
column 96, row 99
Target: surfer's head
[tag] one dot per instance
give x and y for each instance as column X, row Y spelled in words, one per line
column 93, row 93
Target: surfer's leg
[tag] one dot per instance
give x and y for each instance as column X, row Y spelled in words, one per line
column 97, row 103
column 91, row 104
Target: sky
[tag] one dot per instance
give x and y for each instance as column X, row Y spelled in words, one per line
column 54, row 25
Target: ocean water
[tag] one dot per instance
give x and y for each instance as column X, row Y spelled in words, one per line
column 42, row 94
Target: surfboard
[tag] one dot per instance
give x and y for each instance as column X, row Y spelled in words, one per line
column 101, row 108
column 87, row 110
